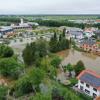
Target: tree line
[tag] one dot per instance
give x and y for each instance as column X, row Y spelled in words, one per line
column 56, row 23
column 10, row 19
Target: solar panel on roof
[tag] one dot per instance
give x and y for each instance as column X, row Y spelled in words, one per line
column 91, row 79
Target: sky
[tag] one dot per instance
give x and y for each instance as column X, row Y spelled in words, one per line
column 49, row 6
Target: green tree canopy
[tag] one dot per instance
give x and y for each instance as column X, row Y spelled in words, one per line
column 56, row 61
column 40, row 96
column 69, row 67
column 58, row 44
column 6, row 51
column 79, row 67
column 9, row 67
column 3, row 92
column 30, row 82
column 34, row 51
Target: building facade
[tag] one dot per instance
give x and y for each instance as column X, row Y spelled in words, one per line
column 89, row 83
column 6, row 31
column 89, row 45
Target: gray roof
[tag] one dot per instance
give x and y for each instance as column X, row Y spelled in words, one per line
column 75, row 29
column 76, row 33
column 97, row 33
column 6, row 28
column 89, row 41
column 91, row 79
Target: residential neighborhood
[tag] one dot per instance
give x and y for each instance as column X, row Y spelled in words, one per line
column 84, row 44
column 49, row 50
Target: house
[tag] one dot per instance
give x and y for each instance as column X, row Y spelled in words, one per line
column 89, row 32
column 97, row 21
column 89, row 83
column 75, row 33
column 97, row 33
column 89, row 45
column 5, row 31
column 23, row 25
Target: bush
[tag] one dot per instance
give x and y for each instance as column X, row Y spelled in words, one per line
column 40, row 96
column 9, row 67
column 55, row 61
column 3, row 93
column 73, row 81
column 29, row 83
column 6, row 51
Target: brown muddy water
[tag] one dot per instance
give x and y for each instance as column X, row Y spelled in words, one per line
column 90, row 61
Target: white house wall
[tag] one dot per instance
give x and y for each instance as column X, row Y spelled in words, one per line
column 89, row 89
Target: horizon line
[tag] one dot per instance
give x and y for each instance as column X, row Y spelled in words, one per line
column 50, row 14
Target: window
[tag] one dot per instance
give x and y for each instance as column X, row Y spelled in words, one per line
column 88, row 92
column 94, row 95
column 87, row 85
column 82, row 82
column 81, row 87
column 95, row 89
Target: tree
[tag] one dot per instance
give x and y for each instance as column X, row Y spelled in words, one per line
column 58, row 23
column 53, row 43
column 6, row 51
column 36, row 77
column 55, row 61
column 34, row 51
column 64, row 31
column 9, row 67
column 60, row 37
column 34, row 27
column 69, row 68
column 23, row 86
column 56, row 95
column 3, row 92
column 67, row 44
column 42, row 47
column 28, row 54
column 29, row 82
column 58, row 44
column 79, row 67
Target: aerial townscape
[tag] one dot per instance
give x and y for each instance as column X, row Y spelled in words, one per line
column 49, row 56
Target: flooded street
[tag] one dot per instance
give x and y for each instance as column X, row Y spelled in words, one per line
column 90, row 61
column 71, row 56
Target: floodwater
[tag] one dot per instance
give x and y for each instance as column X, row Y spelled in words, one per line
column 71, row 56
column 90, row 61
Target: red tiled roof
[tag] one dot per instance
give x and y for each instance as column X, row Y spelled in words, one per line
column 98, row 20
column 98, row 98
column 92, row 73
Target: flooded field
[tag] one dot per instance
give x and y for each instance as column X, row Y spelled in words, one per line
column 91, row 61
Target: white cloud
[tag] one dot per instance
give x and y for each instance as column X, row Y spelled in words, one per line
column 49, row 6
